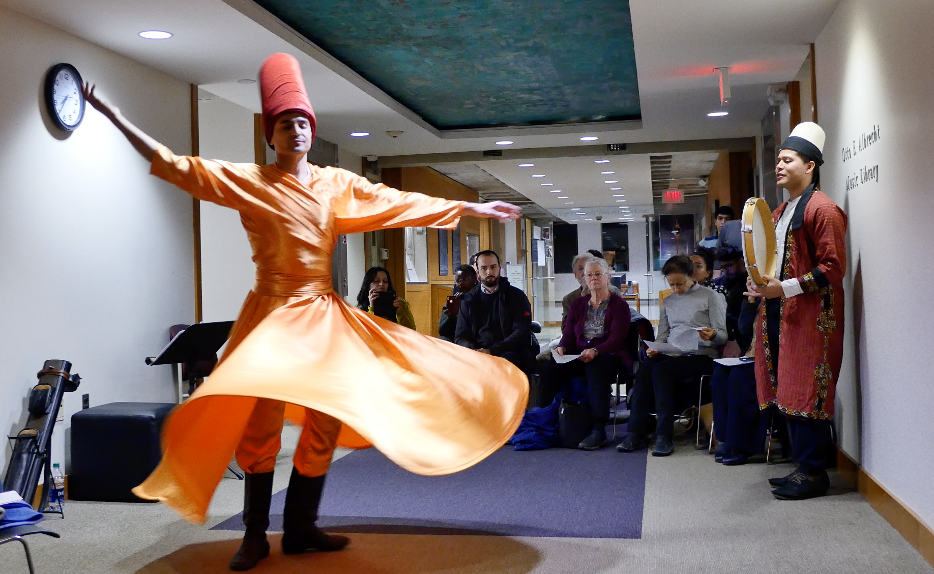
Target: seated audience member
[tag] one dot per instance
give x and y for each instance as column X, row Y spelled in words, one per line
column 596, row 329
column 395, row 309
column 465, row 281
column 690, row 307
column 724, row 214
column 703, row 260
column 496, row 319
column 738, row 423
column 577, row 266
column 732, row 280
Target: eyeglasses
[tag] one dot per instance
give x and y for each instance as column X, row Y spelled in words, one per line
column 592, row 275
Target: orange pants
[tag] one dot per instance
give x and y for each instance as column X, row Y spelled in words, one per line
column 262, row 439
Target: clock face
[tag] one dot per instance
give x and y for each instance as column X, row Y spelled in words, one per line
column 64, row 97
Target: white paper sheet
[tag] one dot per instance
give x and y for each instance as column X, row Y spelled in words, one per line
column 734, row 362
column 561, row 359
column 666, row 348
column 687, row 340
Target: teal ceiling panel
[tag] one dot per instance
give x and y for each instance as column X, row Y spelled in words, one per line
column 477, row 64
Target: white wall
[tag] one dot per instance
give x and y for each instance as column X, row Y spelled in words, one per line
column 875, row 64
column 356, row 248
column 227, row 270
column 95, row 254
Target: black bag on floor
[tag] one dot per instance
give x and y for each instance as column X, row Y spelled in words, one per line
column 574, row 422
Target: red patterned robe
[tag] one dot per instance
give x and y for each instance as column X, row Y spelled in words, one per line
column 799, row 375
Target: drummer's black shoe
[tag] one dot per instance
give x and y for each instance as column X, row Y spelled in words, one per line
column 801, row 486
column 257, row 495
column 299, row 532
column 781, row 480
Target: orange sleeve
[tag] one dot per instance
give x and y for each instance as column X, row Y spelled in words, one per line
column 365, row 206
column 224, row 183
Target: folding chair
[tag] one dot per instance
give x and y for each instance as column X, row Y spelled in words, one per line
column 16, row 533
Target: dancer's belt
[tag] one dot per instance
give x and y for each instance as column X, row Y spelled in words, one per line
column 284, row 285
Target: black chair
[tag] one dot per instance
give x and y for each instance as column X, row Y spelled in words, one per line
column 16, row 533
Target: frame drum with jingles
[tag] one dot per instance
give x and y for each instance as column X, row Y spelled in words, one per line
column 759, row 240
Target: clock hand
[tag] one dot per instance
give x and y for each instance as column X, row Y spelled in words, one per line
column 63, row 102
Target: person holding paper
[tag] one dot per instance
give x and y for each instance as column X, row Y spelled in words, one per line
column 693, row 319
column 596, row 329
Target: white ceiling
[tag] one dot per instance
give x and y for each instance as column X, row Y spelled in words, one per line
column 677, row 44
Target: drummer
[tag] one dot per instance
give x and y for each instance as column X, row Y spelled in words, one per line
column 804, row 308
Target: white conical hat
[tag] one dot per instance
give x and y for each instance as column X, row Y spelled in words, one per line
column 807, row 138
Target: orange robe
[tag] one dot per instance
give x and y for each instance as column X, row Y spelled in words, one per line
column 430, row 406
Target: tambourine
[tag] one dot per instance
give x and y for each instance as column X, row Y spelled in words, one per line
column 759, row 240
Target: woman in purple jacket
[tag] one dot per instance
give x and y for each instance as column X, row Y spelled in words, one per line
column 596, row 329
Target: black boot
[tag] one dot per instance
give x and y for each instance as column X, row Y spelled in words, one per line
column 257, row 492
column 299, row 532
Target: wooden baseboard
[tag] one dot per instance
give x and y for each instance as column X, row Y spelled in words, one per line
column 889, row 507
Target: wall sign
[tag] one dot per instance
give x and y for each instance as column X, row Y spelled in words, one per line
column 868, row 172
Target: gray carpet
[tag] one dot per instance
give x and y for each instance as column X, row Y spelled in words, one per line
column 699, row 517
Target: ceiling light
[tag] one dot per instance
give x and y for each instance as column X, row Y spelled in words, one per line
column 589, row 138
column 619, row 195
column 611, row 181
column 155, row 35
column 573, row 220
column 601, row 161
column 607, row 172
column 546, row 184
column 587, row 219
column 526, row 165
column 620, row 200
column 246, row 81
column 504, row 142
column 539, row 175
column 359, row 134
column 615, row 188
column 562, row 197
column 554, row 191
column 569, row 203
column 717, row 114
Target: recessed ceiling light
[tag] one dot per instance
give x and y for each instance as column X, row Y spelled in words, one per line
column 611, row 181
column 573, row 220
column 601, row 161
column 717, row 114
column 620, row 200
column 504, row 142
column 526, row 165
column 607, row 172
column 562, row 197
column 246, row 81
column 615, row 188
column 589, row 138
column 155, row 35
column 539, row 175
column 587, row 219
column 546, row 184
column 619, row 195
column 569, row 203
column 359, row 134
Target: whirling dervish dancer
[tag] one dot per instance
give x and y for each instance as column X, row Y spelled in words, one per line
column 298, row 351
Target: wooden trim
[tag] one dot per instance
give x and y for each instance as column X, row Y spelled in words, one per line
column 196, row 209
column 794, row 103
column 894, row 511
column 259, row 140
column 813, row 87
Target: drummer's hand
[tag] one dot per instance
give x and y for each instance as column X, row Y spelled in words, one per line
column 707, row 334
column 373, row 295
column 771, row 290
column 650, row 353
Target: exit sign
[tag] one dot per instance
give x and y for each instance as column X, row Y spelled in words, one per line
column 673, row 196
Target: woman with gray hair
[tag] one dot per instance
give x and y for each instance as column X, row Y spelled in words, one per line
column 596, row 329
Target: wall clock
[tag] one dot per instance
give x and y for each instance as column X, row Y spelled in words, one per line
column 63, row 96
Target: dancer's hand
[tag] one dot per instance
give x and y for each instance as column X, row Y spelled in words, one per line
column 142, row 142
column 499, row 210
column 98, row 102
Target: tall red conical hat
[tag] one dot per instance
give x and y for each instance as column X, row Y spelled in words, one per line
column 282, row 90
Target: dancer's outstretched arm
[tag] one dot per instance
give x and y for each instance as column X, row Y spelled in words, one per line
column 499, row 210
column 143, row 143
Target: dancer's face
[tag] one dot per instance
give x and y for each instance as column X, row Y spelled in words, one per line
column 488, row 269
column 292, row 133
column 380, row 282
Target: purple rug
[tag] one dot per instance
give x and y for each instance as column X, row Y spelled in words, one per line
column 555, row 492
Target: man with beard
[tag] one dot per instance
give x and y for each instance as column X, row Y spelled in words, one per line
column 497, row 318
